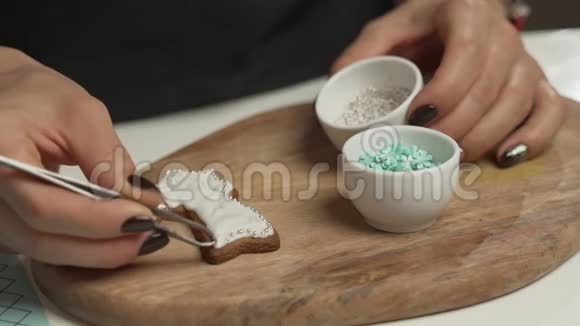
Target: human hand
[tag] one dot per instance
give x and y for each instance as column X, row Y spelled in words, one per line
column 486, row 92
column 47, row 120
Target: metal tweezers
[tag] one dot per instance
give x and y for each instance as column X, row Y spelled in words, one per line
column 96, row 192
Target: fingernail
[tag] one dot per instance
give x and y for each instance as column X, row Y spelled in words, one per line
column 138, row 224
column 423, row 115
column 155, row 242
column 140, row 182
column 513, row 156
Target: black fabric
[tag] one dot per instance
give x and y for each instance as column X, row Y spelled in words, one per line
column 144, row 58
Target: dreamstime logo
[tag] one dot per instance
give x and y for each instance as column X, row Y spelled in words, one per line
column 378, row 136
column 279, row 181
column 434, row 184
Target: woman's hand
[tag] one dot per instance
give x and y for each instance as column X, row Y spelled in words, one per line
column 47, row 120
column 486, row 92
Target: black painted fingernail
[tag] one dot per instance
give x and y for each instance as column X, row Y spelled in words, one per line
column 138, row 224
column 155, row 242
column 423, row 115
column 140, row 182
column 513, row 156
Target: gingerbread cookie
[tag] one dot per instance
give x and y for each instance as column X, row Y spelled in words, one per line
column 206, row 198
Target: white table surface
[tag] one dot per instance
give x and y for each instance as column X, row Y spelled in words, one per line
column 553, row 300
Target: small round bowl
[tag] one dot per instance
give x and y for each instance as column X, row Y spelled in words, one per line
column 400, row 202
column 342, row 88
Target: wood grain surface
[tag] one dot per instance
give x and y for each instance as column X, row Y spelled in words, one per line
column 332, row 268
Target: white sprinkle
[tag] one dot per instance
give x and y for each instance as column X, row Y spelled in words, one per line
column 372, row 103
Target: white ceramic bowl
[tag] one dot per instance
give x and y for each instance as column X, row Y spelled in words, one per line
column 400, row 201
column 342, row 88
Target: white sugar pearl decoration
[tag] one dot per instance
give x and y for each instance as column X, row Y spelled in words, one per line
column 372, row 103
column 255, row 225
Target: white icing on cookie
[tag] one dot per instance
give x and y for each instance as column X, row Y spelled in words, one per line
column 210, row 198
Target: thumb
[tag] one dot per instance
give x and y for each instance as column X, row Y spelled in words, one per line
column 379, row 37
column 96, row 148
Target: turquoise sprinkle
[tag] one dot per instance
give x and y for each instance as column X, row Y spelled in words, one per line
column 398, row 157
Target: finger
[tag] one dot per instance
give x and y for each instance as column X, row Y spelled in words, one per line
column 465, row 35
column 536, row 134
column 63, row 250
column 377, row 38
column 49, row 209
column 512, row 107
column 95, row 146
column 425, row 53
column 5, row 250
column 504, row 49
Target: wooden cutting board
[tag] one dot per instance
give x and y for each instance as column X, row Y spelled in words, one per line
column 332, row 268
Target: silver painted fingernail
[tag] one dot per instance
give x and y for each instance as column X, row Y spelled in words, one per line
column 513, row 156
